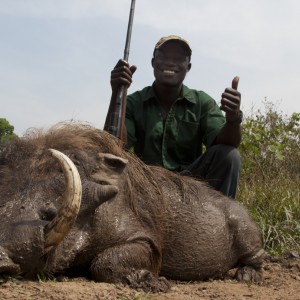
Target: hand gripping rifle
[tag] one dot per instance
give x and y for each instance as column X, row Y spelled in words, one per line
column 115, row 119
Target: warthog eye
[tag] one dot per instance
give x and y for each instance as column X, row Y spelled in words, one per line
column 103, row 182
column 48, row 213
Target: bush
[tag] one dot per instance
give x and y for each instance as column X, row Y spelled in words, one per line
column 6, row 132
column 270, row 177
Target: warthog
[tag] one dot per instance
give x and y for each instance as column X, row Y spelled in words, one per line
column 136, row 224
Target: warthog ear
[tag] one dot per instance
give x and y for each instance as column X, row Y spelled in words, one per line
column 108, row 169
column 113, row 161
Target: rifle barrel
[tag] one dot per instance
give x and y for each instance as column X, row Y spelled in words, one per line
column 129, row 30
column 116, row 113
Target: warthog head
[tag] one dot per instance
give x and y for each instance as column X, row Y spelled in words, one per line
column 40, row 193
column 31, row 227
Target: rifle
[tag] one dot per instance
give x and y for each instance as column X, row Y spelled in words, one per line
column 115, row 119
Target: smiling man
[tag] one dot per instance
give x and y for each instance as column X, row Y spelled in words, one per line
column 168, row 123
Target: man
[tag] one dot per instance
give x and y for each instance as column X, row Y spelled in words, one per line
column 167, row 123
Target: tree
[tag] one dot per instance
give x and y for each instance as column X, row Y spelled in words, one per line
column 6, row 132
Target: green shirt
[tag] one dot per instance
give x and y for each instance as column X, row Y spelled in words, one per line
column 175, row 141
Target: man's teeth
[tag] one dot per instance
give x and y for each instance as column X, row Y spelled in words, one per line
column 169, row 72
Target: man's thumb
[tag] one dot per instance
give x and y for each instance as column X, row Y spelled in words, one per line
column 133, row 69
column 235, row 82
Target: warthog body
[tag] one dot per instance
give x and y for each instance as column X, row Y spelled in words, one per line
column 135, row 222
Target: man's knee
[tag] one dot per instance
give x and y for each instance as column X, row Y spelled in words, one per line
column 224, row 170
column 228, row 154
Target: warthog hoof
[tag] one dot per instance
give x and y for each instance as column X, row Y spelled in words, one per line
column 7, row 266
column 145, row 280
column 248, row 274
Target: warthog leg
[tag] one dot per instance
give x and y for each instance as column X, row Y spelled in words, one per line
column 134, row 263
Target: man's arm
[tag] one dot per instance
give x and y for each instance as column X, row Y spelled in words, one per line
column 231, row 134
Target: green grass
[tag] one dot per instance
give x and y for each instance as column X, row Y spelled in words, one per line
column 275, row 206
column 41, row 277
column 270, row 177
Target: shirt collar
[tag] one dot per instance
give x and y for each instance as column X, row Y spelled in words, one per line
column 150, row 93
column 186, row 94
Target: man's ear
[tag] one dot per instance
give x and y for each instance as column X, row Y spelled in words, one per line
column 189, row 66
column 152, row 61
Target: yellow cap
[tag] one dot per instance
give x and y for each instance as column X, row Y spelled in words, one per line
column 175, row 38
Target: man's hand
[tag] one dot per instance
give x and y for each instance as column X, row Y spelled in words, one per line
column 231, row 101
column 121, row 75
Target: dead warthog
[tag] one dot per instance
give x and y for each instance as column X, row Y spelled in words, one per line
column 97, row 210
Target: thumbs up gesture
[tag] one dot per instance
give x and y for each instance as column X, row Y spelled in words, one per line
column 231, row 102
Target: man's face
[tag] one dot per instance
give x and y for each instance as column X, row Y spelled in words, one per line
column 170, row 64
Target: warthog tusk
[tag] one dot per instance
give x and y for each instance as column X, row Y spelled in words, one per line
column 59, row 227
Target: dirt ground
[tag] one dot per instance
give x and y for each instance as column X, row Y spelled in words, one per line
column 281, row 281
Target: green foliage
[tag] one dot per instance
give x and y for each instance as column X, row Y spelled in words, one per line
column 6, row 278
column 42, row 277
column 6, row 132
column 270, row 177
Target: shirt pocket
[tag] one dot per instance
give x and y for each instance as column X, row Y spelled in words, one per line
column 188, row 140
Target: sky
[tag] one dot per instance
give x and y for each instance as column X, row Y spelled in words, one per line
column 56, row 55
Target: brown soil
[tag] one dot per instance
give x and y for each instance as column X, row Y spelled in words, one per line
column 281, row 281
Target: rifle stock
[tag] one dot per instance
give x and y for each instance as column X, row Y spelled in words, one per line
column 115, row 119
